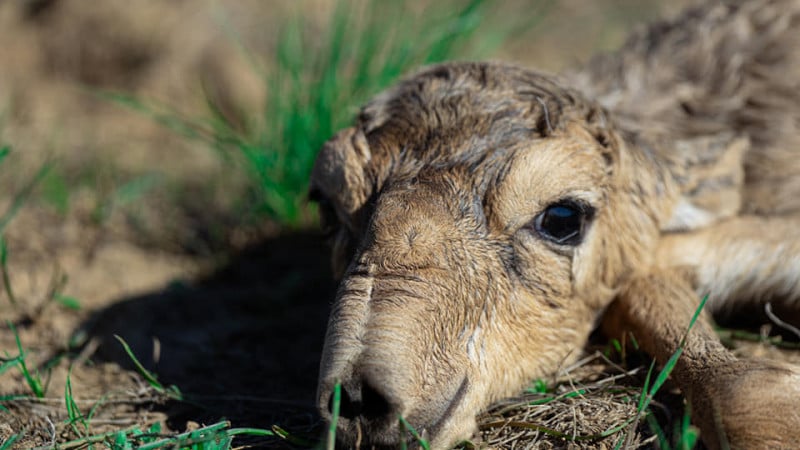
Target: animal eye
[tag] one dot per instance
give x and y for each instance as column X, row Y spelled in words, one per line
column 563, row 222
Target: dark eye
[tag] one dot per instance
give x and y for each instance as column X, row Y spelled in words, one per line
column 563, row 222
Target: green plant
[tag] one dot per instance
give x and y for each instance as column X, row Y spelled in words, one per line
column 622, row 432
column 7, row 444
column 649, row 391
column 171, row 391
column 17, row 201
column 6, row 277
column 685, row 435
column 23, row 194
column 73, row 412
column 35, row 383
column 337, row 401
column 313, row 90
column 539, row 385
column 218, row 436
column 405, row 426
column 123, row 195
column 55, row 191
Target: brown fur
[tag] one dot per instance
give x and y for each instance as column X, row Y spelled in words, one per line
column 684, row 148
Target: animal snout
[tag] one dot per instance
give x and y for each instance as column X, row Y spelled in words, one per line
column 368, row 412
column 361, row 400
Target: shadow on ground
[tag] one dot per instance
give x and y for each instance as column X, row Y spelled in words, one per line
column 242, row 344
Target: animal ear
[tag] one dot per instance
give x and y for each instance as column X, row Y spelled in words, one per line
column 340, row 185
column 708, row 173
column 338, row 174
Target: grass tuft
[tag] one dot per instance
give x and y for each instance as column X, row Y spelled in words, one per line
column 74, row 414
column 314, row 89
column 34, row 380
column 218, row 436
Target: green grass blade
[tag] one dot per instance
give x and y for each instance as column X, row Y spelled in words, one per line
column 404, row 425
column 5, row 272
column 4, row 151
column 151, row 379
column 135, row 189
column 620, row 442
column 96, row 406
column 695, row 316
column 56, row 192
column 646, row 388
column 73, row 412
column 123, row 195
column 688, row 433
column 251, row 432
column 22, row 196
column 34, row 381
column 160, row 114
column 9, row 363
column 68, row 302
column 663, row 442
column 314, row 90
column 337, row 401
column 665, row 372
column 462, row 25
column 670, row 364
column 8, row 443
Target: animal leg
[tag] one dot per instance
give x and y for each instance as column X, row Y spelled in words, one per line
column 742, row 264
column 737, row 403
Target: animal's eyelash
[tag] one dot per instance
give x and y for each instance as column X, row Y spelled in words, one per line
column 563, row 222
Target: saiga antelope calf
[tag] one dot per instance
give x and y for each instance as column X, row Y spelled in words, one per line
column 485, row 217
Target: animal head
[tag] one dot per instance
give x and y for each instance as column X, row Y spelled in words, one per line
column 482, row 217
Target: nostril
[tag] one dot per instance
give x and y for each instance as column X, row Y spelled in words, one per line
column 350, row 405
column 361, row 400
column 375, row 405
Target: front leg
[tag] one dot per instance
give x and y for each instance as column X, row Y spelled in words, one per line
column 742, row 263
column 737, row 403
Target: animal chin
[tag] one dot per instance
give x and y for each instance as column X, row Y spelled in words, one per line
column 450, row 412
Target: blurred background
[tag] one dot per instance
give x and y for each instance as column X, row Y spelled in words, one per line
column 154, row 156
column 224, row 103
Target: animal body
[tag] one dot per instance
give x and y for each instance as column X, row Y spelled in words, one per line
column 486, row 217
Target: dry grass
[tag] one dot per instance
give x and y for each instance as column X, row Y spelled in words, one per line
column 593, row 405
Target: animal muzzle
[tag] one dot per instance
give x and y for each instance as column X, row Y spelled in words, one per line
column 396, row 343
column 367, row 412
column 391, row 368
column 374, row 410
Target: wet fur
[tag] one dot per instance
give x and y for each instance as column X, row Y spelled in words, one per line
column 685, row 144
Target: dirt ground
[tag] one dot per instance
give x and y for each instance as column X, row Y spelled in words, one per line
column 234, row 316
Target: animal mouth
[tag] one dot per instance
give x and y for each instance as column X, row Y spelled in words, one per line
column 458, row 398
column 363, row 439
